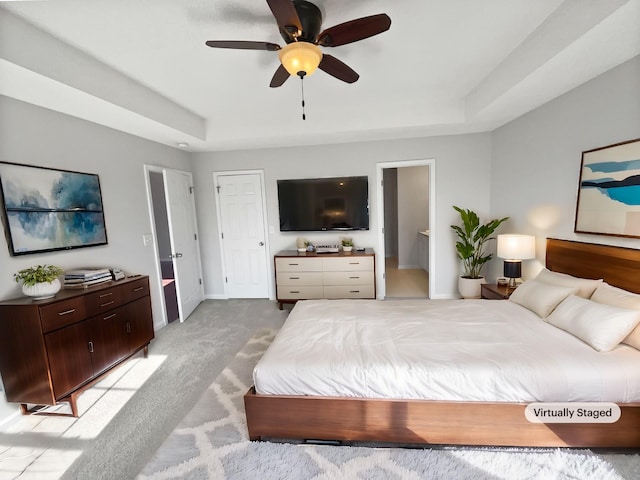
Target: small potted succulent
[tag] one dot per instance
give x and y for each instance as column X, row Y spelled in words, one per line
column 347, row 244
column 39, row 282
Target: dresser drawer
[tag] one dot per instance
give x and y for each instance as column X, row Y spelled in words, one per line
column 348, row 278
column 291, row 292
column 348, row 291
column 299, row 278
column 136, row 289
column 298, row 265
column 61, row 314
column 347, row 264
column 103, row 300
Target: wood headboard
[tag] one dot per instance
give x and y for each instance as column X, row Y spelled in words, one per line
column 618, row 266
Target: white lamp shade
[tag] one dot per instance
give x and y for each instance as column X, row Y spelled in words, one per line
column 300, row 57
column 516, row 247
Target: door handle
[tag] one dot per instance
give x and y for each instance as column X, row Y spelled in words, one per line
column 261, row 244
column 177, row 255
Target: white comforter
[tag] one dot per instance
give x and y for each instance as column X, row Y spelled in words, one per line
column 474, row 350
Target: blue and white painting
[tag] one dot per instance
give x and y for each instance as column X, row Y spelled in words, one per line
column 50, row 209
column 609, row 196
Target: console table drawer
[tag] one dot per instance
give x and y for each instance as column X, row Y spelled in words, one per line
column 298, row 265
column 103, row 300
column 348, row 291
column 347, row 264
column 61, row 314
column 291, row 292
column 136, row 289
column 348, row 278
column 299, row 278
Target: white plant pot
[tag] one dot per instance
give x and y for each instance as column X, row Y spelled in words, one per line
column 347, row 249
column 470, row 287
column 43, row 290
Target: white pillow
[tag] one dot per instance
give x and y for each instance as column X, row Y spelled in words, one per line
column 618, row 297
column 541, row 298
column 584, row 286
column 601, row 326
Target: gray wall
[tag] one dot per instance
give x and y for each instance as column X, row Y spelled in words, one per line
column 36, row 136
column 390, row 178
column 536, row 158
column 462, row 178
column 413, row 213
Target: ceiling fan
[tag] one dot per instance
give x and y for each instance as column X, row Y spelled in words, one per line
column 299, row 22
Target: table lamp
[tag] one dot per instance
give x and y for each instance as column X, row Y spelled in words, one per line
column 513, row 249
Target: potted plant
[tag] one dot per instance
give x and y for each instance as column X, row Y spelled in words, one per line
column 472, row 237
column 40, row 281
column 347, row 244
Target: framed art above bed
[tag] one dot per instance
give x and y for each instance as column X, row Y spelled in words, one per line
column 609, row 191
column 48, row 209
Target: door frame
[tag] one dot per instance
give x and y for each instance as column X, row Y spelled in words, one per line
column 269, row 269
column 154, row 243
column 380, row 270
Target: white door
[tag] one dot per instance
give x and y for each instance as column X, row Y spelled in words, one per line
column 185, row 251
column 241, row 211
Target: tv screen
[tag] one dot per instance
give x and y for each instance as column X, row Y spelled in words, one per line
column 317, row 204
column 47, row 209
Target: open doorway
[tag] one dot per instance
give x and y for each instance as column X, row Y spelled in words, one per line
column 174, row 227
column 163, row 241
column 406, row 194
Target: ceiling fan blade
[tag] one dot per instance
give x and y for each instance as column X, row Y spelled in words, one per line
column 338, row 69
column 286, row 15
column 354, row 30
column 243, row 45
column 279, row 77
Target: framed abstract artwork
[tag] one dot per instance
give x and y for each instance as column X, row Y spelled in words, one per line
column 47, row 209
column 609, row 191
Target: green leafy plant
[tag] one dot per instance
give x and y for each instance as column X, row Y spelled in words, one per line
column 347, row 242
column 472, row 237
column 38, row 274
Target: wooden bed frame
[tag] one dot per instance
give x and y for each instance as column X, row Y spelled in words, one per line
column 457, row 423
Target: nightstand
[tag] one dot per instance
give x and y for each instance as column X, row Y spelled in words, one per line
column 491, row 291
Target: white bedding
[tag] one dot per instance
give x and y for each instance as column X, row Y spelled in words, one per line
column 474, row 350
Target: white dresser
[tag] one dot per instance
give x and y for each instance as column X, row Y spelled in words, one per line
column 302, row 276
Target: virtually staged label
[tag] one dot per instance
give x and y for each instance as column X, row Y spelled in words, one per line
column 572, row 412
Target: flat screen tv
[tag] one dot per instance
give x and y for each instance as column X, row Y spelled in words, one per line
column 47, row 209
column 319, row 204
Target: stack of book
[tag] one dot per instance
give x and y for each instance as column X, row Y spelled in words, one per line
column 86, row 277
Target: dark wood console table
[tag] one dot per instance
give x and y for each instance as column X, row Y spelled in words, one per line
column 51, row 350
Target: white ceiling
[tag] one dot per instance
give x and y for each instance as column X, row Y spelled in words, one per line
column 444, row 67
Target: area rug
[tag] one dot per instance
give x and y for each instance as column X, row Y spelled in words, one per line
column 212, row 443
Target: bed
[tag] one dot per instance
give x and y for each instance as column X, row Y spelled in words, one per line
column 490, row 411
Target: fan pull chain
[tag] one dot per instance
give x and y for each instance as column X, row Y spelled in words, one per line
column 302, row 74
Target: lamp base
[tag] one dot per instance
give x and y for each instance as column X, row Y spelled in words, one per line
column 512, row 270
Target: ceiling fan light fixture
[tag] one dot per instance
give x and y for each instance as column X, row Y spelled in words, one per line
column 299, row 57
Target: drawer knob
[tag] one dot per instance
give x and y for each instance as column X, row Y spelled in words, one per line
column 107, row 304
column 138, row 289
column 67, row 312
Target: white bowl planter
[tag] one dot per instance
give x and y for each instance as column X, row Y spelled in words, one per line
column 347, row 249
column 470, row 287
column 40, row 291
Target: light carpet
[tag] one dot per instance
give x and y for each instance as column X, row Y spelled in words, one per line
column 212, row 443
